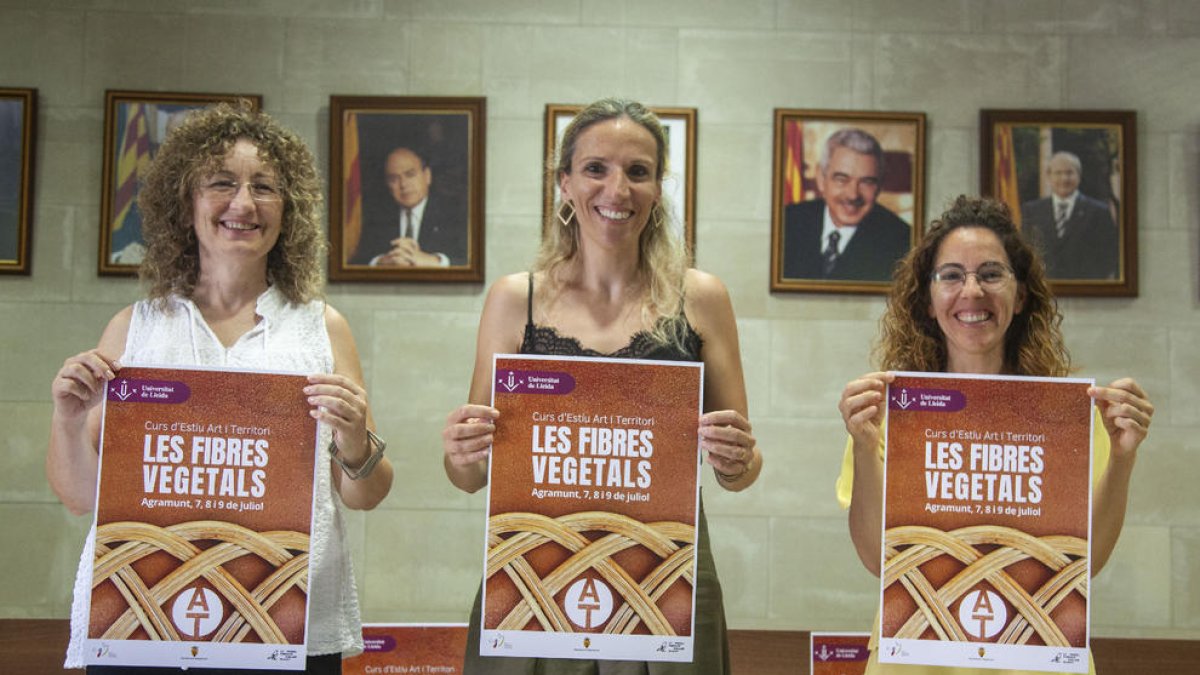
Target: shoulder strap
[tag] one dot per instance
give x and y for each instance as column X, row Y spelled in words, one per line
column 529, row 301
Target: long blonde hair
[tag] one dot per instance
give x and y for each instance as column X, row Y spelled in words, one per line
column 198, row 146
column 910, row 339
column 662, row 260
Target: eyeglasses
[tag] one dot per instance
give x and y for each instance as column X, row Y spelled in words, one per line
column 991, row 276
column 226, row 188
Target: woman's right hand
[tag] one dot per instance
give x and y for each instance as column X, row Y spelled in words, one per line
column 79, row 384
column 862, row 405
column 467, row 436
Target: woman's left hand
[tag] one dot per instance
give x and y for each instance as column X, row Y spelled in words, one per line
column 1126, row 411
column 342, row 404
column 726, row 439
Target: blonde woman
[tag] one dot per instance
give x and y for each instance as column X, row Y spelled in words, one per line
column 612, row 280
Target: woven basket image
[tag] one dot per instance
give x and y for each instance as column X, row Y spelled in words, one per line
column 1043, row 582
column 589, row 543
column 252, row 572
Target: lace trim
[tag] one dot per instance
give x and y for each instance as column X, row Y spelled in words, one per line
column 547, row 340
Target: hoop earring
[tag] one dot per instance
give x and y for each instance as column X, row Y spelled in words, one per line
column 565, row 220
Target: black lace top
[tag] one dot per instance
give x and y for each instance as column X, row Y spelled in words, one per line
column 547, row 340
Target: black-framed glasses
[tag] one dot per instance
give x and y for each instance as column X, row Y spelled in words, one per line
column 991, row 276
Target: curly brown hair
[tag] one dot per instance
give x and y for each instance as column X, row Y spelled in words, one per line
column 197, row 148
column 912, row 340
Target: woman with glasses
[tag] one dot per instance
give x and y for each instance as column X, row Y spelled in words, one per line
column 972, row 297
column 230, row 213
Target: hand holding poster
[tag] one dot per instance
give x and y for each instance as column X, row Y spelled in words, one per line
column 203, row 517
column 593, row 495
column 987, row 512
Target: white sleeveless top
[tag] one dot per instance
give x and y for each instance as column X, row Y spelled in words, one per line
column 287, row 338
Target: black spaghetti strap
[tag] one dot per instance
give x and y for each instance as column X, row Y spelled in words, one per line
column 529, row 311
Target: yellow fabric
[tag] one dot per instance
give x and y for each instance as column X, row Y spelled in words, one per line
column 1101, row 446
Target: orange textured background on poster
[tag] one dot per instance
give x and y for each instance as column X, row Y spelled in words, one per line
column 1050, row 500
column 604, row 391
column 418, row 649
column 266, row 489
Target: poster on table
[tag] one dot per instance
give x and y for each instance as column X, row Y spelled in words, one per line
column 409, row 649
column 987, row 505
column 203, row 516
column 593, row 496
column 838, row 653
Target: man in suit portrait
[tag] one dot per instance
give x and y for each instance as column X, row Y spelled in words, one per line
column 416, row 229
column 1075, row 233
column 845, row 234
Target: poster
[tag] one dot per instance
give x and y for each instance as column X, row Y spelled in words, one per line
column 203, row 516
column 410, row 649
column 593, row 496
column 987, row 516
column 838, row 653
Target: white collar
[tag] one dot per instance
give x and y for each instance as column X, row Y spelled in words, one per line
column 845, row 232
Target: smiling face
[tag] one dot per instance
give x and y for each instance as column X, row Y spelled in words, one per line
column 612, row 182
column 973, row 320
column 849, row 185
column 245, row 223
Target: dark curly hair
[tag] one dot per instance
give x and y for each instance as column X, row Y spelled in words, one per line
column 912, row 340
column 197, row 148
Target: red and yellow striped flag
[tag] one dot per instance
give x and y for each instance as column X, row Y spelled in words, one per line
column 793, row 165
column 352, row 188
column 1006, row 172
column 133, row 159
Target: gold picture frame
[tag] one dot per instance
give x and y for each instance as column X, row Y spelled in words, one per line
column 881, row 201
column 378, row 144
column 18, row 138
column 1031, row 159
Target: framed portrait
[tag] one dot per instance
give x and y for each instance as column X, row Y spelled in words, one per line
column 135, row 125
column 18, row 133
column 848, row 198
column 679, row 178
column 406, row 177
column 1070, row 179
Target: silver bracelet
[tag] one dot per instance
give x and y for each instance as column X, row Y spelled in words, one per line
column 377, row 446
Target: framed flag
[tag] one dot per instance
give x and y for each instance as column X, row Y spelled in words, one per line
column 1070, row 179
column 849, row 192
column 135, row 125
column 18, row 123
column 406, row 196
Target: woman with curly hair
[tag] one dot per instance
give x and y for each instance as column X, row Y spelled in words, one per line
column 972, row 297
column 612, row 280
column 230, row 213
